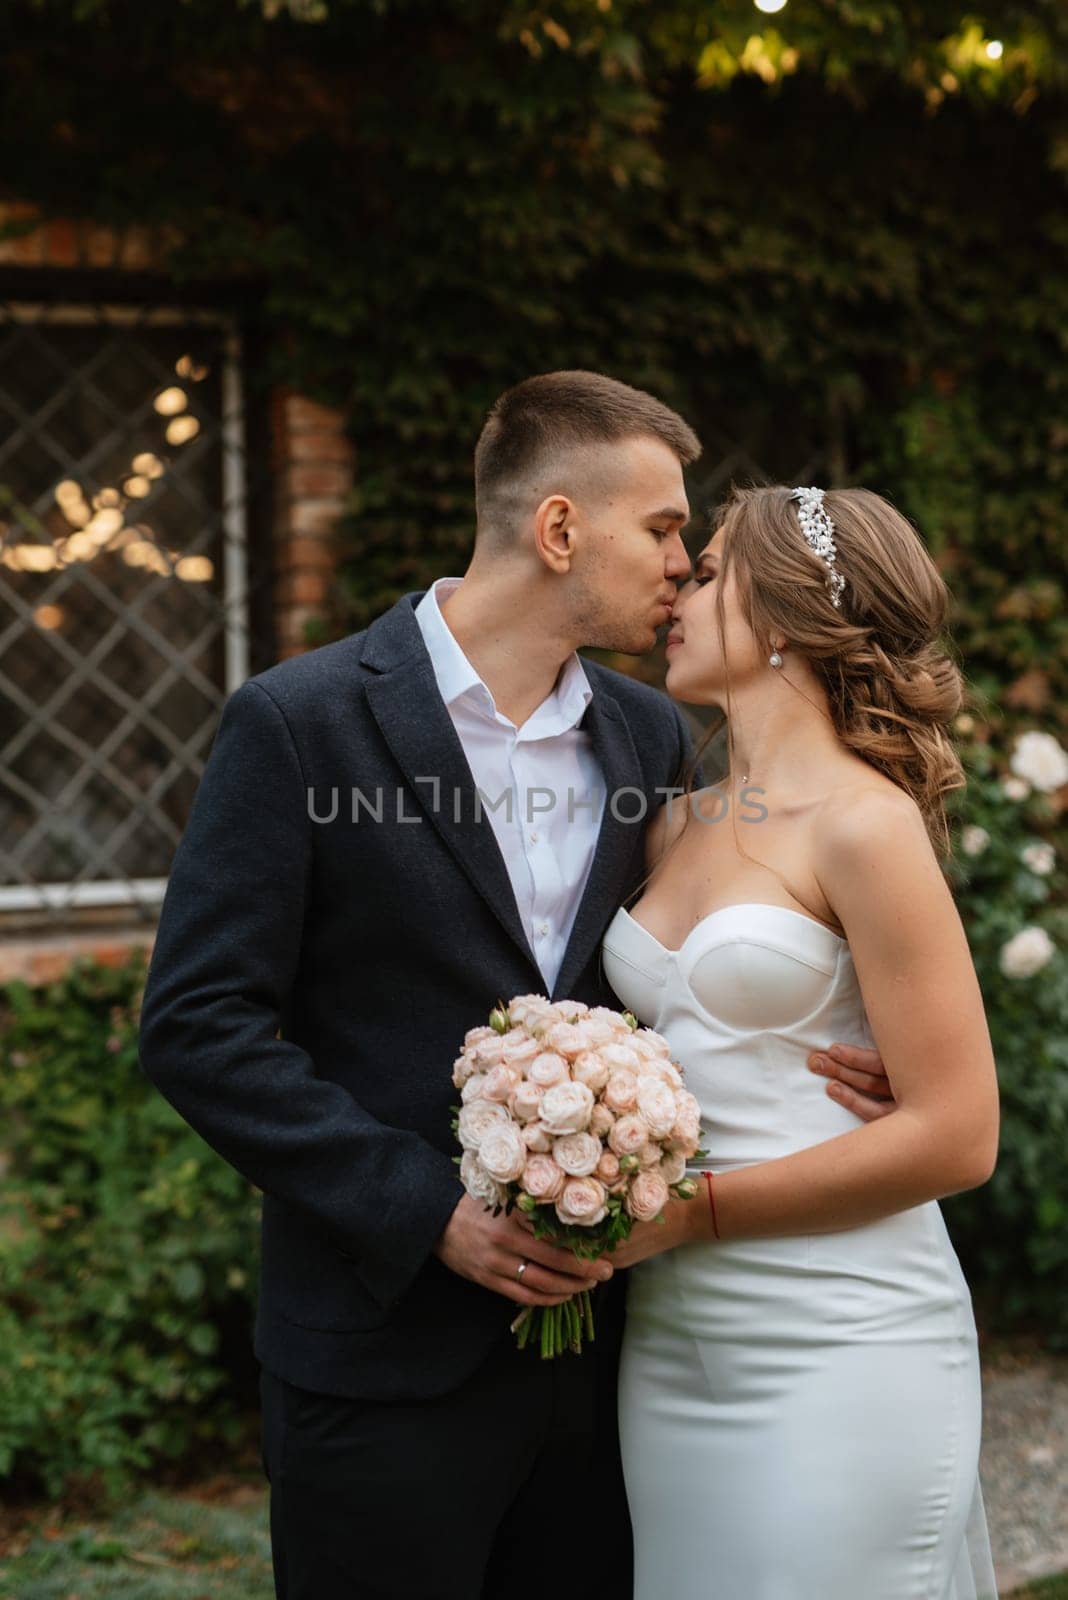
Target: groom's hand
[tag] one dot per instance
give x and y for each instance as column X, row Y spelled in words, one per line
column 489, row 1249
column 858, row 1079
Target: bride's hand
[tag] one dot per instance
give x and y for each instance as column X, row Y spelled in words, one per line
column 680, row 1226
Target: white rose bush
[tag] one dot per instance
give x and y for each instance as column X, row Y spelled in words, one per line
column 1011, row 888
column 577, row 1116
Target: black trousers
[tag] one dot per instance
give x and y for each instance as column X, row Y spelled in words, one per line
column 508, row 1488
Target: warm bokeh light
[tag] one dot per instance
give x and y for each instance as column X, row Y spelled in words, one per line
column 49, row 616
column 186, row 367
column 995, row 50
column 195, row 569
column 107, row 497
column 182, row 429
column 143, row 553
column 68, row 491
column 30, row 557
column 148, row 465
column 170, row 401
column 770, row 6
column 137, row 487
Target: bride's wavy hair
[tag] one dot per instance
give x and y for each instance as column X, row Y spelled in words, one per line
column 891, row 684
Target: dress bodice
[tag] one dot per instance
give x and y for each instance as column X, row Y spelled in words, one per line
column 752, row 990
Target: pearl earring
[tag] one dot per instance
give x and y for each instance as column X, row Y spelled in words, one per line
column 775, row 659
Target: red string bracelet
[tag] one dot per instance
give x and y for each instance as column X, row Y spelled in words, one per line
column 708, row 1180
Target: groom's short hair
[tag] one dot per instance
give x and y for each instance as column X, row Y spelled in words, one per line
column 548, row 419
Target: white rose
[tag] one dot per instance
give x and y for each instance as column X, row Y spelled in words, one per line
column 656, row 1104
column 487, row 1052
column 477, row 1119
column 673, row 1167
column 577, row 1153
column 526, row 1102
column 974, row 840
column 566, row 1108
column 548, row 1068
column 1026, row 953
column 591, row 1069
column 477, row 1181
column 1041, row 761
column 537, row 1140
column 649, row 1154
column 582, row 1202
column 1040, row 858
column 503, row 1152
column 473, row 1088
column 649, row 1039
column 1015, row 789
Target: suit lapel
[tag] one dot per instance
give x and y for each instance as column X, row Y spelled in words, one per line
column 611, row 869
column 416, row 726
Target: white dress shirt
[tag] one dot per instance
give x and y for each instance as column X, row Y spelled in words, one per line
column 542, row 787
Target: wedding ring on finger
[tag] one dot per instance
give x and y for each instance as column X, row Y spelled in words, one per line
column 522, row 1267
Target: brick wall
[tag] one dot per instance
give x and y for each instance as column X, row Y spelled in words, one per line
column 312, row 469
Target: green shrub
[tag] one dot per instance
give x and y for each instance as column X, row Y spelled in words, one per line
column 127, row 1248
column 1012, row 1234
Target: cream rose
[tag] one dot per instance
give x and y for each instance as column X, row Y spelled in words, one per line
column 537, row 1139
column 526, row 1101
column 475, row 1036
column 608, row 1167
column 542, row 1178
column 477, row 1119
column 503, row 1152
column 577, row 1153
column 673, row 1167
column 621, row 1092
column 582, row 1202
column 463, row 1068
column 567, row 1039
column 647, row 1196
column 656, row 1104
column 601, row 1121
column 591, row 1069
column 622, row 1058
column 649, row 1154
column 628, row 1135
column 566, row 1108
column 501, row 1084
column 472, row 1089
column 548, row 1068
column 477, row 1181
column 519, row 1051
column 528, row 1009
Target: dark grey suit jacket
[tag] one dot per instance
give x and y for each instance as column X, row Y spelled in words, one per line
column 313, row 978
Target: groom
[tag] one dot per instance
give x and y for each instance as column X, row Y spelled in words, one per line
column 392, row 832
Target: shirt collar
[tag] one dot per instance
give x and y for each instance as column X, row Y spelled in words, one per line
column 457, row 679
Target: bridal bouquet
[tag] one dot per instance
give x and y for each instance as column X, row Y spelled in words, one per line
column 580, row 1118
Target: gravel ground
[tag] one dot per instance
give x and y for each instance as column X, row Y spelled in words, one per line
column 1024, row 1464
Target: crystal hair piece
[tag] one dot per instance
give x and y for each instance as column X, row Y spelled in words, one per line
column 818, row 530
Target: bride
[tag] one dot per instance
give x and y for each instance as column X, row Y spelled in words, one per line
column 799, row 1386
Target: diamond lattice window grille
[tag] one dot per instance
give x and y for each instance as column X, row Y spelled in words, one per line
column 124, row 617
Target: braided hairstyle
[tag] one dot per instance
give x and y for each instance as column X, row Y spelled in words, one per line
column 892, row 687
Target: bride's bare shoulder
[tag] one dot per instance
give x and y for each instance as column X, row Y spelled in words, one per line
column 866, row 814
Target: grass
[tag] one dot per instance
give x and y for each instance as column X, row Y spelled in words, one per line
column 199, row 1545
column 162, row 1546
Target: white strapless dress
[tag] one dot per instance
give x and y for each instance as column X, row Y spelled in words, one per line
column 799, row 1417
